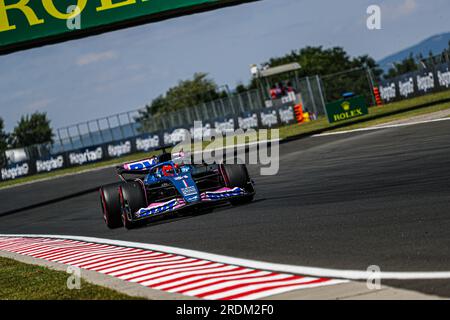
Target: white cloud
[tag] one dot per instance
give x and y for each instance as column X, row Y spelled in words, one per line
column 396, row 9
column 96, row 57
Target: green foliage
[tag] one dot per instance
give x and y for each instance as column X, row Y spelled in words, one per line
column 30, row 130
column 240, row 88
column 407, row 65
column 3, row 137
column 343, row 73
column 3, row 142
column 20, row 281
column 320, row 61
column 186, row 94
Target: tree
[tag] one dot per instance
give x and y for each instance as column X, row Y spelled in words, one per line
column 30, row 130
column 3, row 136
column 186, row 94
column 240, row 88
column 342, row 72
column 3, row 141
column 320, row 61
column 407, row 65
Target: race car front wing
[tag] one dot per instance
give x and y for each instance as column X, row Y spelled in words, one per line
column 156, row 209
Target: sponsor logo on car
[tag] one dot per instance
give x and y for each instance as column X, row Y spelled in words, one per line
column 157, row 209
column 140, row 165
column 218, row 195
column 188, row 191
column 181, row 178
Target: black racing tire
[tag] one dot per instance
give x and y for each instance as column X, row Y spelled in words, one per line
column 236, row 175
column 110, row 203
column 132, row 198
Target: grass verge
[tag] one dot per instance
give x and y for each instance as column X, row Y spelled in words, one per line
column 378, row 115
column 405, row 115
column 21, row 281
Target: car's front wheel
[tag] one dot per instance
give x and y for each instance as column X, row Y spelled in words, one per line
column 236, row 175
column 110, row 203
column 132, row 198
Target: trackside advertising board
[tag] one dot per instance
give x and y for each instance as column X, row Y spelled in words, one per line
column 19, row 167
column 416, row 84
column 346, row 109
column 28, row 23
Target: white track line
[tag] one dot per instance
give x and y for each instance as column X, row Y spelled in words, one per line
column 380, row 127
column 301, row 270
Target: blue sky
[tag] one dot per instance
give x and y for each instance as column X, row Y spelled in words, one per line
column 120, row 71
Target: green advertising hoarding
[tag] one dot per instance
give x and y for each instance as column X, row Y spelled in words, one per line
column 28, row 23
column 346, row 109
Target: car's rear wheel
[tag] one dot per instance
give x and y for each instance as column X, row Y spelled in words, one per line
column 132, row 198
column 236, row 175
column 111, row 208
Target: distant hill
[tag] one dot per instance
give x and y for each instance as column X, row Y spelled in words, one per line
column 434, row 44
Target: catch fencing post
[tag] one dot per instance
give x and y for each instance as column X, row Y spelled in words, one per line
column 79, row 134
column 241, row 104
column 131, row 123
column 110, row 129
column 205, row 108
column 70, row 138
column 223, row 108
column 120, row 126
column 60, row 139
column 308, row 83
column 370, row 79
column 90, row 133
column 319, row 86
column 100, row 130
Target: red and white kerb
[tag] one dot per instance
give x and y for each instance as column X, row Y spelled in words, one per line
column 163, row 271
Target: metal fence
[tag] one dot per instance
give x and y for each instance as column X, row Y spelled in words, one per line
column 359, row 81
column 103, row 130
column 314, row 93
column 231, row 105
column 125, row 125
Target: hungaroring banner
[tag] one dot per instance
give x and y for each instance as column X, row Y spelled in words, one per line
column 29, row 23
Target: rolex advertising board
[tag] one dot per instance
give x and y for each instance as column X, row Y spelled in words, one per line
column 346, row 109
column 25, row 23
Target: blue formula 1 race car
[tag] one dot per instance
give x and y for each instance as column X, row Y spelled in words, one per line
column 164, row 184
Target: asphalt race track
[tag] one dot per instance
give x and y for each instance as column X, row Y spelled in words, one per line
column 343, row 201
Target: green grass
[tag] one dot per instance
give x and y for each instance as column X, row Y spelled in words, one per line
column 405, row 115
column 20, row 281
column 374, row 112
column 287, row 131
